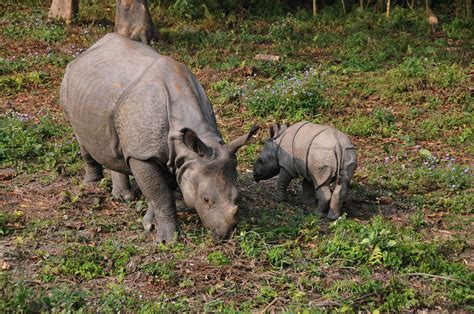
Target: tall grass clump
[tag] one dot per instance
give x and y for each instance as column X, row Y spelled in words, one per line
column 293, row 97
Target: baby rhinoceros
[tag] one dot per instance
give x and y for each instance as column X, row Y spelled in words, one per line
column 319, row 153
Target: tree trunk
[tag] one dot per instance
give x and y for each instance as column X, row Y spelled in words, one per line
column 133, row 20
column 64, row 9
column 315, row 8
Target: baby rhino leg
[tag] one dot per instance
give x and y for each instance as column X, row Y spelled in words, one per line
column 340, row 191
column 324, row 197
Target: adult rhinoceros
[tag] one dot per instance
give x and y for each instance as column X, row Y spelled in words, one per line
column 139, row 113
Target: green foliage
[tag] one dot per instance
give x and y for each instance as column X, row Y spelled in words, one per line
column 116, row 299
column 12, row 84
column 218, row 258
column 23, row 297
column 360, row 126
column 279, row 257
column 38, row 30
column 9, row 66
column 7, row 219
column 292, row 98
column 86, row 262
column 162, row 270
column 24, row 143
column 379, row 243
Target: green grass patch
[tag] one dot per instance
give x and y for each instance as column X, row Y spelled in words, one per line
column 86, row 262
column 47, row 144
column 291, row 98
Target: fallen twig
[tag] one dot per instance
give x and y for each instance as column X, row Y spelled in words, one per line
column 270, row 304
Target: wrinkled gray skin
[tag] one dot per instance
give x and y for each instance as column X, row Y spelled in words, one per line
column 320, row 154
column 139, row 113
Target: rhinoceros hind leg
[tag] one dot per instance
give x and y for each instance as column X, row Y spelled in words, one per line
column 340, row 191
column 93, row 168
column 324, row 197
column 161, row 203
column 309, row 195
column 121, row 186
column 336, row 201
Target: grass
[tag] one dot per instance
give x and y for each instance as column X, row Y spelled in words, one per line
column 402, row 96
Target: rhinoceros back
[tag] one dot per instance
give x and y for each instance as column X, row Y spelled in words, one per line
column 124, row 100
column 314, row 150
column 92, row 86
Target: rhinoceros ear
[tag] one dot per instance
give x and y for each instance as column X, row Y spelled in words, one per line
column 242, row 140
column 192, row 141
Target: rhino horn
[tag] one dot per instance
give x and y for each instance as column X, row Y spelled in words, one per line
column 242, row 140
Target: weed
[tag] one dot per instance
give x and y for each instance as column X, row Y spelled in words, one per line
column 279, row 257
column 38, row 30
column 161, row 270
column 86, row 262
column 7, row 220
column 11, row 84
column 292, row 98
column 11, row 66
column 218, row 259
column 360, row 125
column 24, row 143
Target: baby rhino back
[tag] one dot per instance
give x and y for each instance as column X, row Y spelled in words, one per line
column 318, row 152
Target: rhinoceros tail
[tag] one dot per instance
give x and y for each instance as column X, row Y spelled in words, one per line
column 339, row 154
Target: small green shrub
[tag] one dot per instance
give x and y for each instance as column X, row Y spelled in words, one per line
column 162, row 270
column 13, row 65
column 14, row 83
column 218, row 258
column 360, row 125
column 292, row 98
column 279, row 257
column 86, row 262
column 9, row 218
column 38, row 30
column 26, row 144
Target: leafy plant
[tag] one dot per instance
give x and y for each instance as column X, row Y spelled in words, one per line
column 292, row 98
column 218, row 259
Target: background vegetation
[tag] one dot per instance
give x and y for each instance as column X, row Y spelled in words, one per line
column 400, row 89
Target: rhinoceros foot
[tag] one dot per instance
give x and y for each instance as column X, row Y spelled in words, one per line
column 319, row 213
column 125, row 194
column 333, row 215
column 281, row 196
column 92, row 177
column 166, row 231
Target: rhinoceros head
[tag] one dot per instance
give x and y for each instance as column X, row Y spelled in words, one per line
column 208, row 180
column 267, row 166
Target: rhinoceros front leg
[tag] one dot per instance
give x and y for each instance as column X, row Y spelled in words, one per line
column 121, row 186
column 161, row 202
column 284, row 179
column 93, row 168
